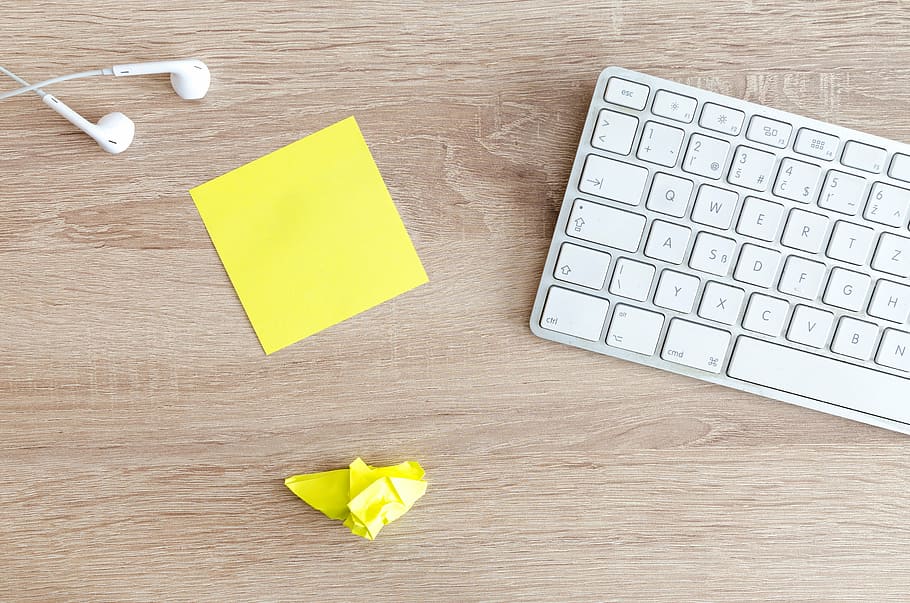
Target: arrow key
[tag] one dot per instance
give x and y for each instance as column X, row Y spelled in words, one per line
column 582, row 266
column 614, row 132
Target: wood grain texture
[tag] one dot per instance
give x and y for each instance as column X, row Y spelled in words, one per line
column 144, row 436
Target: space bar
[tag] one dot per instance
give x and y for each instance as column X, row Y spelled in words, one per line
column 820, row 378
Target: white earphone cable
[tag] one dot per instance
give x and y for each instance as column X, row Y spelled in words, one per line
column 56, row 80
column 38, row 91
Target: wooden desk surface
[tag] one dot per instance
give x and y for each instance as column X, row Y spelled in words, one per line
column 144, row 435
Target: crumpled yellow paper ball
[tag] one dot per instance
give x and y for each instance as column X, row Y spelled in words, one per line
column 365, row 498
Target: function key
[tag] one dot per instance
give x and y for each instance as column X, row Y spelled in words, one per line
column 816, row 144
column 900, row 167
column 769, row 131
column 864, row 157
column 626, row 93
column 721, row 119
column 674, row 106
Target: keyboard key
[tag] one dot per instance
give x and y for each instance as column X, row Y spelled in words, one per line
column 696, row 346
column 900, row 167
column 797, row 181
column 816, row 144
column 632, row 279
column 760, row 219
column 582, row 266
column 854, row 338
column 769, row 131
column 605, row 225
column 850, row 243
column 751, row 168
column 802, row 277
column 864, row 157
column 721, row 119
column 805, row 231
column 819, row 378
column 714, row 206
column 573, row 313
column 888, row 205
column 890, row 301
column 842, row 193
column 810, row 326
column 660, row 144
column 712, row 254
column 635, row 330
column 676, row 291
column 766, row 315
column 893, row 352
column 670, row 195
column 626, row 93
column 706, row 156
column 614, row 132
column 721, row 303
column 674, row 106
column 614, row 180
column 757, row 266
column 892, row 255
column 847, row 289
column 667, row 242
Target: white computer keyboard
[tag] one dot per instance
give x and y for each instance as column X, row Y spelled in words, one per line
column 737, row 244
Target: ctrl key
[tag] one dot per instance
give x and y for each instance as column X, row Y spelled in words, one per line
column 696, row 346
column 575, row 314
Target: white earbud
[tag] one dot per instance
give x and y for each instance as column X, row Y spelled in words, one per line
column 113, row 132
column 189, row 77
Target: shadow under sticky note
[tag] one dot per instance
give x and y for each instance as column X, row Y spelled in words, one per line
column 309, row 235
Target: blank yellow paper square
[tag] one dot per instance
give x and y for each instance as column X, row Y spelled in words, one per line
column 309, row 235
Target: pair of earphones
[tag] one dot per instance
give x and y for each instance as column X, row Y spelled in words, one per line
column 114, row 132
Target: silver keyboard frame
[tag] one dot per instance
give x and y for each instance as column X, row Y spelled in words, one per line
column 704, row 96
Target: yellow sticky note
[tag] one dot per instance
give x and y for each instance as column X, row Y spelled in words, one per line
column 309, row 235
column 365, row 498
